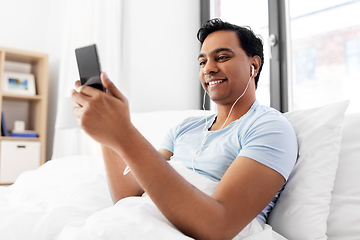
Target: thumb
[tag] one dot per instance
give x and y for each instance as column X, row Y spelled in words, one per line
column 109, row 85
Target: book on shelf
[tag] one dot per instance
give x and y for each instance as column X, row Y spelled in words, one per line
column 4, row 131
column 24, row 133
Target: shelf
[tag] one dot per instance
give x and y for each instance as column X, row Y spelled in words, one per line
column 19, row 138
column 22, row 56
column 21, row 97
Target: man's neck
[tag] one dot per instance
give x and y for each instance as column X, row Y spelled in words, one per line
column 240, row 109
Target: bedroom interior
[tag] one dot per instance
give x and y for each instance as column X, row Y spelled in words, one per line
column 149, row 49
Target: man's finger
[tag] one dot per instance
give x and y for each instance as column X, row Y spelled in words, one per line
column 111, row 87
column 78, row 111
column 77, row 97
column 77, row 84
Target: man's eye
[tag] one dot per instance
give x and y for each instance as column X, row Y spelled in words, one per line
column 222, row 58
column 201, row 63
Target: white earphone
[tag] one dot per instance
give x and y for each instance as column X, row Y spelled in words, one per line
column 206, row 122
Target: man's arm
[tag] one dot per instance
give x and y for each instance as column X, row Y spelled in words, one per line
column 121, row 185
column 166, row 154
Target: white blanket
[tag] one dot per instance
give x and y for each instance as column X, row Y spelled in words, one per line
column 68, row 198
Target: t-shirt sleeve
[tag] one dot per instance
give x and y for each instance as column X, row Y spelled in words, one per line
column 168, row 142
column 272, row 142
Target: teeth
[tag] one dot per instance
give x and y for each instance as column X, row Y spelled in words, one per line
column 215, row 82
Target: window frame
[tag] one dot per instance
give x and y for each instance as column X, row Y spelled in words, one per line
column 204, row 16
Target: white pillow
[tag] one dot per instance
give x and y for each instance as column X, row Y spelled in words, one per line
column 303, row 207
column 344, row 219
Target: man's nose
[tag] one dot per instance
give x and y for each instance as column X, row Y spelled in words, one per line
column 210, row 68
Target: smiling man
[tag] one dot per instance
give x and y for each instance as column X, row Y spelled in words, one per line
column 248, row 149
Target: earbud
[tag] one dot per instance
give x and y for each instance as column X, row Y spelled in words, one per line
column 252, row 70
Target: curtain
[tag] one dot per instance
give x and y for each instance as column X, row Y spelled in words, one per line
column 85, row 22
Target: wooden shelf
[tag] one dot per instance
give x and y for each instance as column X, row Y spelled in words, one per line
column 19, row 138
column 21, row 97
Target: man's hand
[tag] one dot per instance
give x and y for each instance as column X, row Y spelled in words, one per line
column 104, row 116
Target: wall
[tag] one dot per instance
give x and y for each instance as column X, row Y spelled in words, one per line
column 160, row 50
column 24, row 28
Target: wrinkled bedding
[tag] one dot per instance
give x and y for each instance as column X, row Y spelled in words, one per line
column 68, row 198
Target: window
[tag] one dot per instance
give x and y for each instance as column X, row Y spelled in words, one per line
column 323, row 45
column 305, row 63
column 352, row 55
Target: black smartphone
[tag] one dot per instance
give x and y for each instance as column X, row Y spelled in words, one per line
column 89, row 66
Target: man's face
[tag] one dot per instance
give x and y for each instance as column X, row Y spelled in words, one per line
column 224, row 67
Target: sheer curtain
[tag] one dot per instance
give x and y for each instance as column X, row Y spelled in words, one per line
column 85, row 22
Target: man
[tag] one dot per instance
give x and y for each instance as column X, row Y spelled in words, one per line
column 250, row 149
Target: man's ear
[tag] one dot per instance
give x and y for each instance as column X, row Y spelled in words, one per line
column 256, row 62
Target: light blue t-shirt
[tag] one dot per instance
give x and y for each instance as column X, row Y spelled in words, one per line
column 262, row 134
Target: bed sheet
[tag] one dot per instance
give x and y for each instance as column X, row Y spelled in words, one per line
column 68, row 198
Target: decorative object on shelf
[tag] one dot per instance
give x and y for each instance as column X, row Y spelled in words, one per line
column 19, row 126
column 4, row 131
column 18, row 83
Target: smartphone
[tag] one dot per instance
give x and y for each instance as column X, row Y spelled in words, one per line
column 89, row 66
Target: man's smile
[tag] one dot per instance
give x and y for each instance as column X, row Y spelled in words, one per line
column 215, row 82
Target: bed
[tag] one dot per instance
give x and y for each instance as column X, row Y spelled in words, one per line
column 68, row 197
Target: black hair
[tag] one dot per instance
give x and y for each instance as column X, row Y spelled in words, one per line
column 249, row 41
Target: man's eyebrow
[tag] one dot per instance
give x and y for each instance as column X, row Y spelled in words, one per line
column 217, row 51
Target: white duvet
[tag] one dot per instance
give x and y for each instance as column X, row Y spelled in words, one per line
column 68, row 198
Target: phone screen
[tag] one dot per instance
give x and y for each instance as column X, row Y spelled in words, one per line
column 89, row 66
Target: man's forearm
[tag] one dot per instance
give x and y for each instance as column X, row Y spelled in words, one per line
column 120, row 186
